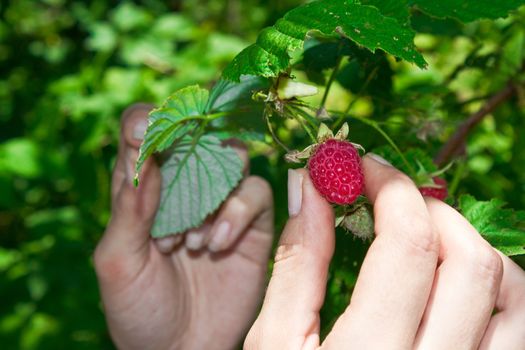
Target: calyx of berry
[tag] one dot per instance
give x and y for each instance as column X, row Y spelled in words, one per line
column 323, row 135
column 424, row 178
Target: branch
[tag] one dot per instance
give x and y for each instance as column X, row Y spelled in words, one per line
column 457, row 141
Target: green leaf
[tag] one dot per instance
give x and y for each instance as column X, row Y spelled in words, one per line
column 228, row 96
column 397, row 9
column 467, row 10
column 196, row 179
column 244, row 114
column 173, row 120
column 503, row 228
column 423, row 23
column 363, row 24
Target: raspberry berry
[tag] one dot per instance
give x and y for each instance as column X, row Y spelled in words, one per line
column 440, row 192
column 335, row 169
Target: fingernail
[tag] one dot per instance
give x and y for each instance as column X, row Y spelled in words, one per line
column 295, row 192
column 166, row 244
column 194, row 240
column 221, row 236
column 378, row 159
column 132, row 156
column 140, row 129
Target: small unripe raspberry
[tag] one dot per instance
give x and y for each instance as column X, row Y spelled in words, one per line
column 440, row 192
column 335, row 169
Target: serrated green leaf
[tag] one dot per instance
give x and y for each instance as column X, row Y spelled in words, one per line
column 467, row 10
column 498, row 225
column 397, row 9
column 172, row 121
column 196, row 179
column 363, row 24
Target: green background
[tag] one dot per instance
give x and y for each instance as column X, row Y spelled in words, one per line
column 69, row 68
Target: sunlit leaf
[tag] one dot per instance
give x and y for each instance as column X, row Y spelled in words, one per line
column 365, row 25
column 173, row 120
column 467, row 10
column 503, row 228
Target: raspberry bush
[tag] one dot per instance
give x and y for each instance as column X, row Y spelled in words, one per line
column 330, row 62
column 336, row 65
column 349, row 39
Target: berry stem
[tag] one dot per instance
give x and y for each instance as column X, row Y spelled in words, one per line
column 383, row 133
column 300, row 116
column 272, row 133
column 330, row 81
column 354, row 100
column 458, row 174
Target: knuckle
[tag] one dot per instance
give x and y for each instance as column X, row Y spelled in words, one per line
column 263, row 187
column 107, row 264
column 287, row 252
column 238, row 206
column 131, row 112
column 486, row 263
column 417, row 236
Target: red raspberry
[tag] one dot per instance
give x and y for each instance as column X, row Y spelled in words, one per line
column 335, row 169
column 439, row 193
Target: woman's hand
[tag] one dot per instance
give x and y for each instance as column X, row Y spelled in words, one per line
column 429, row 280
column 199, row 290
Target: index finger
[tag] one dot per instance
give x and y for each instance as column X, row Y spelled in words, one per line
column 396, row 277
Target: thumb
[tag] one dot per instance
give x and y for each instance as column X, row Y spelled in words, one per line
column 289, row 318
column 124, row 247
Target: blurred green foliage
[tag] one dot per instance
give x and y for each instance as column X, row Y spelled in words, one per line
column 68, row 68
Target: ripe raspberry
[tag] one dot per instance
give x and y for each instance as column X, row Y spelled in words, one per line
column 335, row 169
column 439, row 193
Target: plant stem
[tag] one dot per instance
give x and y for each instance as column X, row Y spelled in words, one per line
column 457, row 140
column 458, row 174
column 330, row 81
column 298, row 115
column 354, row 100
column 383, row 133
column 274, row 136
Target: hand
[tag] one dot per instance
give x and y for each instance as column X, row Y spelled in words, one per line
column 199, row 290
column 429, row 280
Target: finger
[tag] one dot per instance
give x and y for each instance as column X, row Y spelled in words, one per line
column 242, row 151
column 251, row 204
column 123, row 248
column 289, row 318
column 465, row 287
column 133, row 126
column 199, row 237
column 394, row 283
column 195, row 237
column 167, row 244
column 506, row 329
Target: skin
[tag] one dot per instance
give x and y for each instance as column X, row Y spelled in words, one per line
column 428, row 281
column 174, row 293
